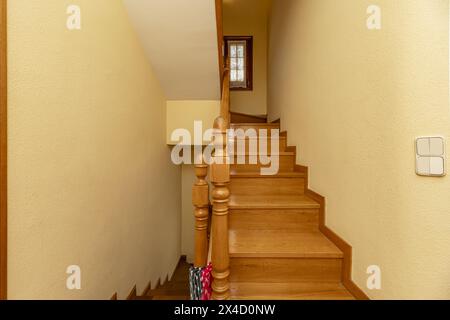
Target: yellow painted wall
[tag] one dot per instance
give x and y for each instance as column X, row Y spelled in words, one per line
column 90, row 177
column 353, row 101
column 249, row 18
column 182, row 115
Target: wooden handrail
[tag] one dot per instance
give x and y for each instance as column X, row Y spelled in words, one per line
column 220, row 179
column 225, row 103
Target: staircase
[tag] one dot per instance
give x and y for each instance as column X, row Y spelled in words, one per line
column 177, row 288
column 276, row 248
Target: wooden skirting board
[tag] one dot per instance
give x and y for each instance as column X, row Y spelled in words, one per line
column 338, row 241
column 133, row 293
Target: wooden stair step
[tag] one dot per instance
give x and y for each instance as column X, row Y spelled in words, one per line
column 301, row 220
column 253, row 174
column 272, row 202
column 267, row 185
column 285, row 270
column 172, row 298
column 276, row 244
column 258, row 127
column 237, row 117
column 254, row 142
column 255, row 126
column 166, row 291
column 289, row 291
column 286, row 159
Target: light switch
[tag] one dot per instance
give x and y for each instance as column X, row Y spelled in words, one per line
column 423, row 146
column 436, row 166
column 423, row 166
column 430, row 156
column 436, row 146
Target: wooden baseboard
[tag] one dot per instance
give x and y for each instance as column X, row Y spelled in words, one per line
column 133, row 293
column 337, row 240
column 147, row 289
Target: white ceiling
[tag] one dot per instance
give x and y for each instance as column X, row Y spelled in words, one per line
column 180, row 39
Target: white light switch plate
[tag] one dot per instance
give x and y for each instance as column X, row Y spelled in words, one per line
column 430, row 156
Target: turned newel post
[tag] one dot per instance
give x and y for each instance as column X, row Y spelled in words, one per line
column 220, row 178
column 200, row 199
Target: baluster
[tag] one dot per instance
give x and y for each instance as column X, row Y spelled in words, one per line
column 200, row 200
column 220, row 178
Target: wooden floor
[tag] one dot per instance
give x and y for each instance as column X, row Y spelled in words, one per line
column 175, row 289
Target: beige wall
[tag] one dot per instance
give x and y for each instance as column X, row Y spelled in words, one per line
column 183, row 114
column 353, row 101
column 249, row 18
column 90, row 177
column 187, row 213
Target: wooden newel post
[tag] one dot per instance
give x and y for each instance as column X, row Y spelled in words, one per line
column 220, row 178
column 200, row 200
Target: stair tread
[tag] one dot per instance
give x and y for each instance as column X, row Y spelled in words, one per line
column 253, row 174
column 276, row 244
column 270, row 153
column 255, row 124
column 278, row 201
column 289, row 291
column 172, row 298
column 255, row 138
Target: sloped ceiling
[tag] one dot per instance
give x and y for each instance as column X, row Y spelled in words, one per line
column 180, row 39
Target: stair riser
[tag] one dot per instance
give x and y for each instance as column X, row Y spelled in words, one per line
column 275, row 219
column 269, row 270
column 256, row 127
column 255, row 146
column 243, row 118
column 266, row 186
column 286, row 163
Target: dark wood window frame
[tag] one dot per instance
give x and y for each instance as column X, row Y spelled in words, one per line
column 248, row 59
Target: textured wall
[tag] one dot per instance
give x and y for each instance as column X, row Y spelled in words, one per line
column 90, row 177
column 353, row 101
column 183, row 114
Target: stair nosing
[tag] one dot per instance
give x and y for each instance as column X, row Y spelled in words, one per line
column 248, row 124
column 274, row 206
column 280, row 175
column 286, row 255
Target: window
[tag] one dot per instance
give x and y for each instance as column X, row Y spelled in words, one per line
column 239, row 49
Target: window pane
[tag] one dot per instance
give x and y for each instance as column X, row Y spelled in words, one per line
column 233, row 75
column 240, row 50
column 233, row 65
column 233, row 51
column 240, row 76
column 240, row 64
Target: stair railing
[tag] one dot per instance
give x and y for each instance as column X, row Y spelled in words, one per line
column 220, row 178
